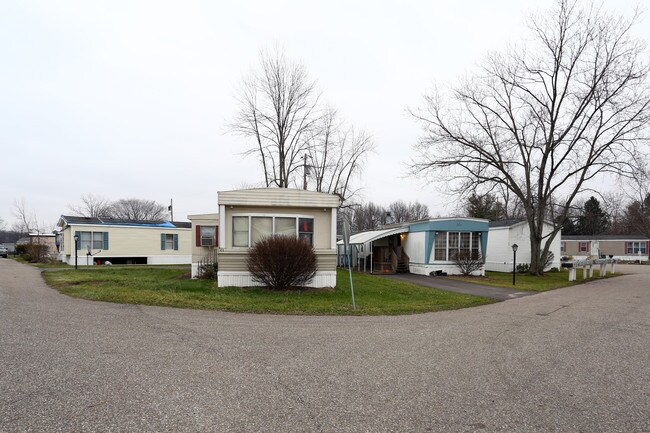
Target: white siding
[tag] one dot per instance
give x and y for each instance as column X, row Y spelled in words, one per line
column 414, row 246
column 244, row 279
column 499, row 247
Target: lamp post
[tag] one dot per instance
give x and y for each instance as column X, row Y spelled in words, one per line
column 76, row 246
column 514, row 262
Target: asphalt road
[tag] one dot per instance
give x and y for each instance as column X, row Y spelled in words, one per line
column 570, row 360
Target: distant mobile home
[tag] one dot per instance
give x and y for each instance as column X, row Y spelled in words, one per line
column 122, row 241
column 622, row 247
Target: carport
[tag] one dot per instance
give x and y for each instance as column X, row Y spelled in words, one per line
column 386, row 242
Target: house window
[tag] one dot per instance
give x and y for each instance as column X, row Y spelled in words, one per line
column 440, row 246
column 261, row 227
column 285, row 226
column 92, row 240
column 306, row 230
column 248, row 230
column 475, row 246
column 636, row 248
column 562, row 247
column 168, row 241
column 240, row 231
column 583, row 247
column 208, row 235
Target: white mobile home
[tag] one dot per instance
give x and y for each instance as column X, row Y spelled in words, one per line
column 123, row 241
column 503, row 234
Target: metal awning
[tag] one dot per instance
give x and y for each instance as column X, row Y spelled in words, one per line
column 371, row 236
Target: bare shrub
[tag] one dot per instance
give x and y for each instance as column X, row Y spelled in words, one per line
column 467, row 262
column 282, row 262
column 37, row 253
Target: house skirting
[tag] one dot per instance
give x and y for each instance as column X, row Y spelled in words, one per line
column 83, row 260
column 244, row 279
column 428, row 268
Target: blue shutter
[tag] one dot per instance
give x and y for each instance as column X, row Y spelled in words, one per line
column 105, row 240
column 76, row 244
column 175, row 242
column 162, row 241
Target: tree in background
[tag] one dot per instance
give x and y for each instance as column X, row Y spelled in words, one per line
column 126, row 208
column 637, row 216
column 294, row 138
column 485, row 206
column 336, row 154
column 372, row 216
column 278, row 108
column 92, row 206
column 543, row 120
column 593, row 220
column 138, row 209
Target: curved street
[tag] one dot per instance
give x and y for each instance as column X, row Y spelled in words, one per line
column 569, row 360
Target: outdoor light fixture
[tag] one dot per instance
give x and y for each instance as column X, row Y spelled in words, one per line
column 76, row 246
column 514, row 262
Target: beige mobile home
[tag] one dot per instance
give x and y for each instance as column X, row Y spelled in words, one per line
column 205, row 231
column 245, row 216
column 123, row 241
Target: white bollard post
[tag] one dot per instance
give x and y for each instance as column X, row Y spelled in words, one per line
column 591, row 271
column 603, row 270
column 572, row 274
column 584, row 272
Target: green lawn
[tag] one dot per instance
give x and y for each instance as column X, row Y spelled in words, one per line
column 170, row 287
column 550, row 280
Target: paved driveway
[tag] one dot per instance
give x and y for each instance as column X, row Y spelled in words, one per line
column 569, row 360
column 444, row 283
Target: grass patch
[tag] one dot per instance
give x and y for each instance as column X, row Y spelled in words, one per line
column 166, row 287
column 549, row 281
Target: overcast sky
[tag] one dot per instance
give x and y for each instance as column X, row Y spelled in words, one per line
column 131, row 99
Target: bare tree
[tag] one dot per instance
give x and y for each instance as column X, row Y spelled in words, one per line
column 543, row 121
column 3, row 224
column 402, row 212
column 92, row 206
column 336, row 154
column 138, row 209
column 278, row 106
column 26, row 219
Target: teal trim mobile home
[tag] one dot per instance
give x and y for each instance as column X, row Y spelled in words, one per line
column 422, row 247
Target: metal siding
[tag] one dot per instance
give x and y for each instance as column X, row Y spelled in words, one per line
column 282, row 197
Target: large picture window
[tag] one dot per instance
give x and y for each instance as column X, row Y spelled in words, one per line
column 248, row 230
column 448, row 244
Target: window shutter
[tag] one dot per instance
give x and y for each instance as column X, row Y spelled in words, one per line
column 216, row 236
column 198, row 235
column 105, row 240
column 162, row 241
column 76, row 244
column 175, row 242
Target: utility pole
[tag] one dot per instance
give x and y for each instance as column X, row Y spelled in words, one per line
column 304, row 171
